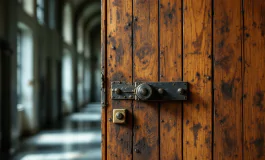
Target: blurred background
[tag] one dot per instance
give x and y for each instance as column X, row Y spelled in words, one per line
column 50, row 79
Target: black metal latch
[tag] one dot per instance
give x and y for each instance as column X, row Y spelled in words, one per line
column 150, row 91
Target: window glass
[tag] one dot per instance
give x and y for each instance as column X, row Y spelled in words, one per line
column 28, row 6
column 67, row 24
column 40, row 11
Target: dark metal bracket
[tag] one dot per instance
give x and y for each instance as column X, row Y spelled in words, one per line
column 150, row 91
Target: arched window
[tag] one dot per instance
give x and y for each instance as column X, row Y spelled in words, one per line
column 80, row 36
column 67, row 24
column 67, row 81
column 25, row 73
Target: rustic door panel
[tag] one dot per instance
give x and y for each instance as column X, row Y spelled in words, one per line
column 197, row 70
column 170, row 69
column 227, row 79
column 119, row 68
column 254, row 76
column 217, row 46
column 145, row 68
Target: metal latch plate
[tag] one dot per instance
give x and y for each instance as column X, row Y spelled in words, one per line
column 160, row 91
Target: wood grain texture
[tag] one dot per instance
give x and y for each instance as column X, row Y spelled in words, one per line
column 254, row 77
column 197, row 69
column 170, row 19
column 119, row 68
column 145, row 55
column 227, row 79
column 103, row 80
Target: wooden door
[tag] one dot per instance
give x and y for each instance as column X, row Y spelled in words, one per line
column 217, row 46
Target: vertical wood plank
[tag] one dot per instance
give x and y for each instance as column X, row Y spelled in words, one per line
column 170, row 30
column 197, row 69
column 145, row 55
column 227, row 79
column 103, row 79
column 119, row 68
column 254, row 77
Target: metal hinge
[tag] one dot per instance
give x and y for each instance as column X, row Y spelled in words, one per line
column 103, row 91
column 150, row 91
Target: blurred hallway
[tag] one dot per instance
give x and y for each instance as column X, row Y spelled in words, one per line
column 77, row 138
column 50, row 79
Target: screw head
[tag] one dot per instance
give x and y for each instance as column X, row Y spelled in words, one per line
column 160, row 90
column 181, row 91
column 119, row 115
column 117, row 91
column 137, row 150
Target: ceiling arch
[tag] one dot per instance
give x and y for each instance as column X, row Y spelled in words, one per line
column 94, row 21
column 82, row 7
column 84, row 10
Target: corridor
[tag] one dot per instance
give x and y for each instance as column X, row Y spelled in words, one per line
column 50, row 79
column 78, row 137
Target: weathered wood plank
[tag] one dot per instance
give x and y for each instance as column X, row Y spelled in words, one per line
column 145, row 55
column 227, row 79
column 103, row 80
column 254, row 77
column 119, row 68
column 197, row 42
column 170, row 19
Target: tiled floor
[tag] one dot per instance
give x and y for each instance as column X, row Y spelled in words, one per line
column 79, row 138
